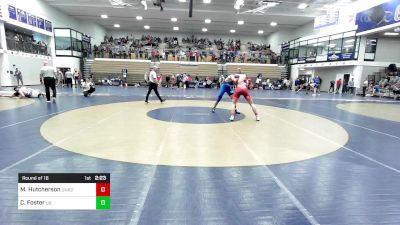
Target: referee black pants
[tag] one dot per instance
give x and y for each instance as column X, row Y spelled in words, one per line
column 49, row 82
column 153, row 86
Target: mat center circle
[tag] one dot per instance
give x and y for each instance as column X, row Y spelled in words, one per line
column 193, row 115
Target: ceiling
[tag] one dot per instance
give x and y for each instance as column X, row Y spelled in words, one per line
column 224, row 17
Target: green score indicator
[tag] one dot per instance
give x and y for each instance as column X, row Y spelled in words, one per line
column 103, row 203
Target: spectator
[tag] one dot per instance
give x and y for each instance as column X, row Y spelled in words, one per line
column 332, row 86
column 18, row 76
column 365, row 86
column 338, row 85
column 87, row 87
column 351, row 86
column 68, row 76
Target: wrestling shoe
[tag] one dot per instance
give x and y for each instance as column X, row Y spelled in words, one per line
column 237, row 112
column 162, row 100
column 258, row 118
column 213, row 110
column 146, row 101
column 232, row 118
column 54, row 99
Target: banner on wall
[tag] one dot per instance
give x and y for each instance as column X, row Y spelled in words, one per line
column 329, row 19
column 40, row 23
column 12, row 12
column 334, row 56
column 32, row 20
column 28, row 18
column 48, row 26
column 22, row 16
column 379, row 16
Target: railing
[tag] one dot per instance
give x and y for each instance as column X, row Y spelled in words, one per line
column 265, row 59
column 28, row 47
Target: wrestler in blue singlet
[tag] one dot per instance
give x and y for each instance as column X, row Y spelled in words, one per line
column 226, row 87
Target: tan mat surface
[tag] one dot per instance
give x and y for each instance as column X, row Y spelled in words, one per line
column 123, row 132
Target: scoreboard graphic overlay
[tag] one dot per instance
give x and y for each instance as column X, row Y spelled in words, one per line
column 64, row 191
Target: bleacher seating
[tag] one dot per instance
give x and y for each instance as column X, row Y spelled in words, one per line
column 269, row 71
column 112, row 68
column 200, row 69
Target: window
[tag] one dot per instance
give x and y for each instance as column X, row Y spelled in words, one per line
column 312, row 50
column 302, row 52
column 335, row 48
column 370, row 49
column 322, row 49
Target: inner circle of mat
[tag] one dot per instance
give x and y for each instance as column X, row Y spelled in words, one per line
column 124, row 132
column 12, row 103
column 193, row 115
column 374, row 110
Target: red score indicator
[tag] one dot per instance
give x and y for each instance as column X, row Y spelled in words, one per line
column 102, row 189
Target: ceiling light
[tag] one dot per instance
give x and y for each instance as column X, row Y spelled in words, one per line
column 391, row 34
column 174, row 19
column 349, row 41
column 139, row 17
column 207, row 21
column 270, row 4
column 206, row 1
column 176, row 28
column 273, row 24
column 260, row 32
column 117, row 25
column 204, row 30
column 240, row 22
column 104, row 16
column 146, row 27
column 302, row 6
column 348, row 46
column 182, row 0
column 232, row 31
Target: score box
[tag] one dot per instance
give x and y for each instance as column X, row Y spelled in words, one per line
column 64, row 191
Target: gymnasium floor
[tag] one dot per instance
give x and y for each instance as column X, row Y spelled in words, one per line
column 328, row 159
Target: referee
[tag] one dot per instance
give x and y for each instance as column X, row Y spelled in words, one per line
column 153, row 84
column 48, row 77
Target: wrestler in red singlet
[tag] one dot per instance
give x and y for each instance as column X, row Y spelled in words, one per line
column 241, row 89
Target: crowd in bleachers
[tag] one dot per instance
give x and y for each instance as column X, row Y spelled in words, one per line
column 25, row 43
column 386, row 86
column 189, row 49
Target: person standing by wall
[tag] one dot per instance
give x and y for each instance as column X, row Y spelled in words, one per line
column 351, row 86
column 153, row 85
column 365, row 86
column 77, row 78
column 124, row 75
column 332, row 86
column 68, row 76
column 48, row 77
column 338, row 85
column 60, row 78
column 317, row 84
column 18, row 76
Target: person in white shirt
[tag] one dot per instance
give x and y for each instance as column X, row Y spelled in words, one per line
column 68, row 78
column 153, row 84
column 60, row 78
column 88, row 87
column 48, row 77
column 124, row 75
